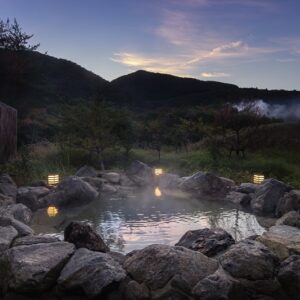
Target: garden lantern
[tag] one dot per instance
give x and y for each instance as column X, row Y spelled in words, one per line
column 258, row 178
column 53, row 179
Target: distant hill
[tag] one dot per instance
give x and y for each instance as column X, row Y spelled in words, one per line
column 31, row 80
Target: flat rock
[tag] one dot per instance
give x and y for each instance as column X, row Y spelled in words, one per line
column 111, row 177
column 247, row 188
column 210, row 242
column 90, row 271
column 140, row 173
column 86, row 171
column 73, row 191
column 18, row 211
column 156, row 265
column 291, row 218
column 83, row 236
column 7, row 235
column 238, row 198
column 206, row 186
column 7, row 186
column 21, row 228
column 289, row 276
column 283, row 240
column 34, row 239
column 35, row 268
column 268, row 195
column 289, row 202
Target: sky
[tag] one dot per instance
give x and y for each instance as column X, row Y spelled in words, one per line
column 251, row 43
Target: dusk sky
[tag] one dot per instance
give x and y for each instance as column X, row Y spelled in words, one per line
column 251, row 43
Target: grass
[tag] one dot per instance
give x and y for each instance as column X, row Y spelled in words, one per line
column 40, row 160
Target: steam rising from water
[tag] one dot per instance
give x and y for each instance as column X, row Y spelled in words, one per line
column 289, row 111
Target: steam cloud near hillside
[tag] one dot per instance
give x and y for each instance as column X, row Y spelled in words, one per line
column 288, row 112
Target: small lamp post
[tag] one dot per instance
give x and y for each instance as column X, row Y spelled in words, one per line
column 53, row 179
column 258, row 178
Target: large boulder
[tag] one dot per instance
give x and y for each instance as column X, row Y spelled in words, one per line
column 22, row 229
column 283, row 240
column 291, row 218
column 207, row 241
column 35, row 268
column 90, row 271
column 169, row 271
column 254, row 266
column 86, row 171
column 83, row 236
column 289, row 276
column 6, row 200
column 7, row 186
column 73, row 191
column 290, row 201
column 140, row 173
column 32, row 196
column 19, row 212
column 7, row 235
column 136, row 291
column 268, row 195
column 169, row 181
column 205, row 186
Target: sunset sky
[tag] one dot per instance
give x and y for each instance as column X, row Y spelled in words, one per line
column 246, row 42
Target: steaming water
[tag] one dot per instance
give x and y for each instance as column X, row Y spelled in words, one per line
column 141, row 219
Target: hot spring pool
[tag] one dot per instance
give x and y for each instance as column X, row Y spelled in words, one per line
column 143, row 218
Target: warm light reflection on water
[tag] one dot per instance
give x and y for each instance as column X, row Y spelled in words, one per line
column 52, row 211
column 138, row 220
column 157, row 192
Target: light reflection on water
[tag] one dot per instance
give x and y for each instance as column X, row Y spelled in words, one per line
column 141, row 219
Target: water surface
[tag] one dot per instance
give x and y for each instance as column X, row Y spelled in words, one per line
column 143, row 218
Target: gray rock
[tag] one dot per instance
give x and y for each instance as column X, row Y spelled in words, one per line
column 7, row 186
column 283, row 240
column 21, row 228
column 255, row 267
column 268, row 195
column 140, row 173
column 291, row 218
column 35, row 268
column 206, row 186
column 19, row 211
column 34, row 239
column 83, row 236
column 111, row 177
column 109, row 188
column 290, row 201
column 86, row 171
column 90, row 271
column 156, row 265
column 126, row 181
column 31, row 197
column 247, row 188
column 73, row 191
column 95, row 182
column 136, row 291
column 168, row 181
column 40, row 183
column 238, row 198
column 229, row 182
column 207, row 241
column 7, row 235
column 6, row 200
column 289, row 276
column 218, row 286
column 238, row 259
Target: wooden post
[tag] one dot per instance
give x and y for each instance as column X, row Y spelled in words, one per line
column 8, row 132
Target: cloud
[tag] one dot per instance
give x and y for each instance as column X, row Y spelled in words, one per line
column 214, row 74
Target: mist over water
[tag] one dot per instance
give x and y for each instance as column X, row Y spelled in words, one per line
column 287, row 112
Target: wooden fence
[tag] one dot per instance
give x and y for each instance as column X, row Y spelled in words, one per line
column 8, row 132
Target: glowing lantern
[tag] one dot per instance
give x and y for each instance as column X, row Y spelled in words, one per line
column 258, row 178
column 157, row 192
column 53, row 179
column 158, row 172
column 52, row 211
